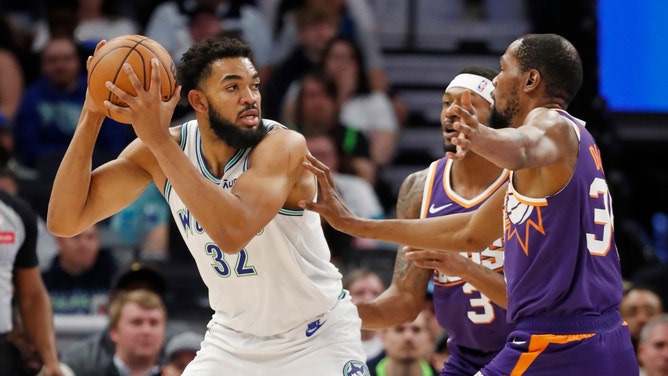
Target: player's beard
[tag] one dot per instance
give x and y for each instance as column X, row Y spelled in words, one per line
column 448, row 147
column 233, row 135
column 503, row 119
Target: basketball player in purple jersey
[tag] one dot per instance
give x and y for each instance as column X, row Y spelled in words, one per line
column 477, row 327
column 562, row 268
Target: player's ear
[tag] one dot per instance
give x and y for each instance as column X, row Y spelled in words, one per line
column 532, row 80
column 198, row 101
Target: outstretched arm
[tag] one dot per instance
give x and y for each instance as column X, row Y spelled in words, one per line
column 471, row 231
column 403, row 300
column 544, row 140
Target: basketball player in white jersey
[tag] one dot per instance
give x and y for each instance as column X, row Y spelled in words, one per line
column 233, row 182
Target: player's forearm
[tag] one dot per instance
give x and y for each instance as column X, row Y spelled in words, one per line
column 72, row 181
column 488, row 282
column 217, row 210
column 505, row 148
column 37, row 317
column 444, row 233
column 388, row 310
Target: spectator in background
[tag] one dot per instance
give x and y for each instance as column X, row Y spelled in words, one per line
column 361, row 107
column 653, row 347
column 353, row 20
column 51, row 107
column 11, row 74
column 407, row 350
column 169, row 25
column 179, row 351
column 356, row 192
column 137, row 322
column 89, row 355
column 101, row 19
column 316, row 26
column 203, row 22
column 441, row 352
column 639, row 305
column 81, row 275
column 48, row 115
column 316, row 112
column 364, row 285
column 144, row 225
column 60, row 21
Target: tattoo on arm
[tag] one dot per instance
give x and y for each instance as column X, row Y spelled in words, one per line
column 406, row 275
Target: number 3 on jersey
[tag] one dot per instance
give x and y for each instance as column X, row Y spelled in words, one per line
column 487, row 315
column 221, row 266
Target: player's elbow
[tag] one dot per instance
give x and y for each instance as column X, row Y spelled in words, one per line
column 229, row 244
column 59, row 227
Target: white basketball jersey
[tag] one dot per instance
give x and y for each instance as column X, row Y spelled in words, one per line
column 282, row 278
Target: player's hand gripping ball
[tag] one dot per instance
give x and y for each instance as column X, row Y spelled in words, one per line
column 136, row 50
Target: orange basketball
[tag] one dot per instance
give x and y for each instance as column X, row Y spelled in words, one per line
column 137, row 50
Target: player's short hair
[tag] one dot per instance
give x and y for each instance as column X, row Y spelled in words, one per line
column 556, row 59
column 196, row 63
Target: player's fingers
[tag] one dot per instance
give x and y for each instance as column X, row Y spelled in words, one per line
column 176, row 96
column 464, row 115
column 461, row 127
column 466, row 102
column 155, row 75
column 326, row 172
column 120, row 111
column 408, row 249
column 132, row 76
column 323, row 184
column 427, row 264
column 120, row 93
column 308, row 205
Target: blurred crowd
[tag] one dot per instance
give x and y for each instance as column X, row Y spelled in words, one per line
column 322, row 73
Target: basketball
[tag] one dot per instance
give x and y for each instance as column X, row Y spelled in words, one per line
column 136, row 50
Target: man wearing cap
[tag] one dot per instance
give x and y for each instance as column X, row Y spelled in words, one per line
column 477, row 327
column 87, row 356
column 180, row 350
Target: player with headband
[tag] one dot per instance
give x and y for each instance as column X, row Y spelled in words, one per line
column 465, row 284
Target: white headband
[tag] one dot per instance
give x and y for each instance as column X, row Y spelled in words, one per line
column 477, row 84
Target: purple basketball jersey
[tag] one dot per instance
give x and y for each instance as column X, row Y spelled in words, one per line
column 470, row 318
column 561, row 255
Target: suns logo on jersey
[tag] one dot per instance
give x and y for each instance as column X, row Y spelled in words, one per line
column 518, row 214
column 517, row 211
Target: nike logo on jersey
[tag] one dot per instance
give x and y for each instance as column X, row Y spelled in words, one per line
column 313, row 327
column 435, row 209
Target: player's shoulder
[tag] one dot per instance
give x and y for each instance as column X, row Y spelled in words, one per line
column 279, row 134
column 413, row 184
column 544, row 117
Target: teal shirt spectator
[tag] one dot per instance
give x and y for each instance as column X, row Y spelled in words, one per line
column 147, row 213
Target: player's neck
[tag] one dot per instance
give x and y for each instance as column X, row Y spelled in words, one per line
column 471, row 176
